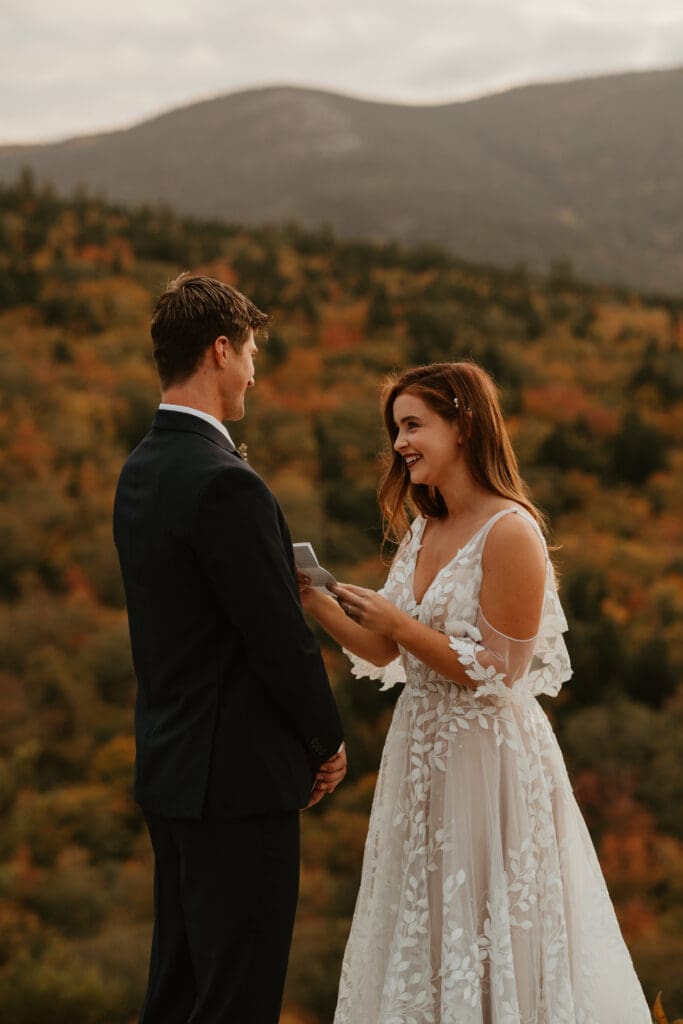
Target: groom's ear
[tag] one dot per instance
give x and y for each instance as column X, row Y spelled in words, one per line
column 221, row 350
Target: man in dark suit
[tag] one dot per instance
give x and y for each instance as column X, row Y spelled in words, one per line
column 236, row 727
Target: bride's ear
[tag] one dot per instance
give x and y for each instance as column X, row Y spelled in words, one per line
column 465, row 430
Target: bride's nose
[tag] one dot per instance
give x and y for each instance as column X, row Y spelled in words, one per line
column 399, row 443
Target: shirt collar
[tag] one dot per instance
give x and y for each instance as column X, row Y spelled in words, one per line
column 167, row 407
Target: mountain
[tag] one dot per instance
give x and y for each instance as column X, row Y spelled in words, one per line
column 588, row 171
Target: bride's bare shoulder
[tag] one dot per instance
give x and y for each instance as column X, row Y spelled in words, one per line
column 515, row 540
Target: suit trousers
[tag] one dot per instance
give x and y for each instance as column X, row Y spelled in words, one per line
column 225, row 893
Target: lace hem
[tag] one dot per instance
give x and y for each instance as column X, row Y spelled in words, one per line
column 390, row 674
column 489, row 682
column 499, row 664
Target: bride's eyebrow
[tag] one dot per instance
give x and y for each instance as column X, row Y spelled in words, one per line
column 405, row 419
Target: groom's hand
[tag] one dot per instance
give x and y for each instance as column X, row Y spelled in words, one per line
column 317, row 793
column 329, row 776
column 333, row 771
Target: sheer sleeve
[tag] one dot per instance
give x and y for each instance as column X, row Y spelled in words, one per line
column 509, row 668
column 550, row 667
column 494, row 661
column 389, row 674
column 393, row 589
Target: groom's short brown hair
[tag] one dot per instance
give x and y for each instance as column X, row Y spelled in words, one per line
column 190, row 315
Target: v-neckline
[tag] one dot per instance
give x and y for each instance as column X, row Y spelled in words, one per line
column 418, row 604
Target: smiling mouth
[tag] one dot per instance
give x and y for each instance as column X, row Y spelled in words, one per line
column 410, row 460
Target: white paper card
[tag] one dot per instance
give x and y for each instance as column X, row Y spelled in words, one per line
column 306, row 560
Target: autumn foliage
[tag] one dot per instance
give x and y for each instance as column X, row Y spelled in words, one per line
column 592, row 384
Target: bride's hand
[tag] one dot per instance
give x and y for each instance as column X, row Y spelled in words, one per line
column 369, row 609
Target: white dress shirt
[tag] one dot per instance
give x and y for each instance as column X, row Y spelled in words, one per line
column 167, row 407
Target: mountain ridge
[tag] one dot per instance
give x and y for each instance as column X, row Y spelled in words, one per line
column 579, row 170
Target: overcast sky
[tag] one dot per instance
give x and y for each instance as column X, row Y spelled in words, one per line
column 68, row 67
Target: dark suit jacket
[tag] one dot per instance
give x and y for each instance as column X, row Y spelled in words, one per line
column 234, row 711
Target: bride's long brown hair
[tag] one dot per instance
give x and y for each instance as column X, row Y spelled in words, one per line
column 463, row 393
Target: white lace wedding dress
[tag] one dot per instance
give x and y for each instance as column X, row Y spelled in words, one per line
column 481, row 900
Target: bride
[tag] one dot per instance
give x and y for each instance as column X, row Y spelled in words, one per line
column 481, row 899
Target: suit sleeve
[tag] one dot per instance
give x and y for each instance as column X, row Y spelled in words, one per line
column 242, row 549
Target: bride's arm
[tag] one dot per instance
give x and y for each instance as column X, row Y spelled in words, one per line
column 366, row 644
column 511, row 599
column 372, row 612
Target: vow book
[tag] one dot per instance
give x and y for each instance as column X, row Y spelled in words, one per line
column 306, row 560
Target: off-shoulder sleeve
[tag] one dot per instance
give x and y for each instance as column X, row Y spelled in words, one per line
column 390, row 674
column 502, row 665
column 394, row 672
column 550, row 666
column 495, row 661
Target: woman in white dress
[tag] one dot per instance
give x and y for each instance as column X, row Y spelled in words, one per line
column 481, row 899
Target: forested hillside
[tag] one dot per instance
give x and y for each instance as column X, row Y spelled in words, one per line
column 592, row 384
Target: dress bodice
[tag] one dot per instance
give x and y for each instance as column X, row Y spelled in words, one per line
column 451, row 605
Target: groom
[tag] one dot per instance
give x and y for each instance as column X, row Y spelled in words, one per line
column 236, row 727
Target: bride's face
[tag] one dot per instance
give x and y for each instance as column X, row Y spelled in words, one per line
column 428, row 444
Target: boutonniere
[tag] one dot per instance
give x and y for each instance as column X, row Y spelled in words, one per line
column 242, row 449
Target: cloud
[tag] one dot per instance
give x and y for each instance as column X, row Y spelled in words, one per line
column 82, row 66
